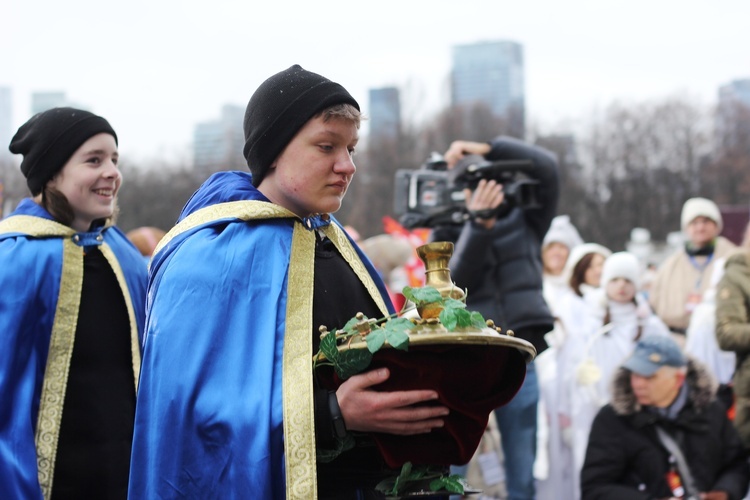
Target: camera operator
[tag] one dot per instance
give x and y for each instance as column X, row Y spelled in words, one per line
column 497, row 258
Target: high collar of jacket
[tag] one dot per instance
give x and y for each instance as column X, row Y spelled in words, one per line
column 701, row 390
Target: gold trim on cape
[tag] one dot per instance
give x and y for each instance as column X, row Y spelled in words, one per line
column 58, row 363
column 34, row 226
column 245, row 210
column 62, row 337
column 297, row 377
column 299, row 418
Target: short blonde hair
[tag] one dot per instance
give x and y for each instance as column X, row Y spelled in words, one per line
column 345, row 111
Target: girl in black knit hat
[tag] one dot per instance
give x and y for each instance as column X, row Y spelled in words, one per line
column 72, row 291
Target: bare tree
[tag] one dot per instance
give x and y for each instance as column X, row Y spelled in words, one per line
column 643, row 162
column 155, row 195
column 726, row 176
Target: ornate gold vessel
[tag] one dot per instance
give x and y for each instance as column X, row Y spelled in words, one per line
column 428, row 330
column 474, row 369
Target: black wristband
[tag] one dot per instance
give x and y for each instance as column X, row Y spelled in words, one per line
column 486, row 214
column 337, row 419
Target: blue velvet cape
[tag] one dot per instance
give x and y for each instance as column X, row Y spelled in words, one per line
column 41, row 273
column 213, row 409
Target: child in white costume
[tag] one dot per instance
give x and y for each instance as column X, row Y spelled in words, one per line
column 615, row 318
column 581, row 275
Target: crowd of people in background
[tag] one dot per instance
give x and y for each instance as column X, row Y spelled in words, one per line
column 603, row 304
column 634, row 363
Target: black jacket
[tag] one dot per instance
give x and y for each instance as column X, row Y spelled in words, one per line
column 625, row 459
column 502, row 267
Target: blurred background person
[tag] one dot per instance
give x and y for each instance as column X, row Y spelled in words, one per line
column 389, row 253
column 582, row 275
column 498, row 259
column 701, row 342
column 145, row 239
column 733, row 333
column 561, row 238
column 72, row 310
column 559, row 241
column 685, row 276
column 616, row 318
column 662, row 401
column 647, row 279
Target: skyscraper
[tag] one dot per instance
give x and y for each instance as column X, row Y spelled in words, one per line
column 490, row 73
column 217, row 144
column 42, row 101
column 385, row 114
column 733, row 116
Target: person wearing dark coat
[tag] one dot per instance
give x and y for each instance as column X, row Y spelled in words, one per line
column 659, row 388
column 498, row 259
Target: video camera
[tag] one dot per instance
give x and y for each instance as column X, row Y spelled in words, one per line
column 433, row 195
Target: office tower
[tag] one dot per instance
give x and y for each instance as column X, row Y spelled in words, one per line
column 733, row 116
column 385, row 114
column 6, row 121
column 42, row 101
column 490, row 73
column 217, row 144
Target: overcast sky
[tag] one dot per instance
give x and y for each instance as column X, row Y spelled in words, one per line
column 154, row 68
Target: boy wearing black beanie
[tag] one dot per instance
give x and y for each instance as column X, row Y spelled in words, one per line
column 229, row 405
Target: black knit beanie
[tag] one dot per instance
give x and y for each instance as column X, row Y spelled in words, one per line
column 279, row 108
column 49, row 139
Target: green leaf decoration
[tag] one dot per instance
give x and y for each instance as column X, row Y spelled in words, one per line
column 422, row 295
column 463, row 318
column 458, row 317
column 402, row 478
column 351, row 325
column 352, row 361
column 418, row 478
column 398, row 324
column 396, row 333
column 477, row 320
column 329, row 348
column 453, row 304
column 451, row 483
column 375, row 340
column 448, row 318
column 398, row 340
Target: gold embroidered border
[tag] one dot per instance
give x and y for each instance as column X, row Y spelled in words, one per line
column 58, row 363
column 245, row 210
column 337, row 236
column 299, row 423
column 134, row 342
column 34, row 226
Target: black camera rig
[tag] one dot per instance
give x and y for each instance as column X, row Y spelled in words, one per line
column 433, row 195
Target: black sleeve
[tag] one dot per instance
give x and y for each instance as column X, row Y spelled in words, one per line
column 545, row 171
column 472, row 258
